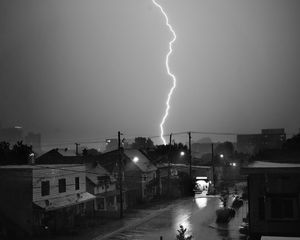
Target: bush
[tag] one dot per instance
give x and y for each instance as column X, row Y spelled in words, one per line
column 181, row 234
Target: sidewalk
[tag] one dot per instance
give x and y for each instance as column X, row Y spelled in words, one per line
column 132, row 218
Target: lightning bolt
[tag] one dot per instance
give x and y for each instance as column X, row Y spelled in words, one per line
column 168, row 70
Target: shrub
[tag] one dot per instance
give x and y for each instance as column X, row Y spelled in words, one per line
column 181, row 234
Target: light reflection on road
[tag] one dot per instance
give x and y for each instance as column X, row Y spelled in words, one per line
column 201, row 202
column 182, row 217
column 195, row 215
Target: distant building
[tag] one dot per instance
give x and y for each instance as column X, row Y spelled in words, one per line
column 267, row 139
column 273, row 138
column 111, row 144
column 11, row 135
column 199, row 149
column 34, row 140
column 41, row 198
column 274, row 199
column 59, row 156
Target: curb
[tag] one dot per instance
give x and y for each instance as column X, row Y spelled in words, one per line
column 134, row 224
column 216, row 226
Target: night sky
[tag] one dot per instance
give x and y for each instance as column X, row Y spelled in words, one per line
column 74, row 69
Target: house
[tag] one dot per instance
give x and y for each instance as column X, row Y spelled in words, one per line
column 103, row 185
column 274, row 199
column 139, row 174
column 43, row 197
column 59, row 156
column 100, row 181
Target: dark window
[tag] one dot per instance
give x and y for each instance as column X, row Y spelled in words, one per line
column 100, row 203
column 110, row 201
column 283, row 208
column 45, row 188
column 62, row 185
column 77, row 183
column 261, row 208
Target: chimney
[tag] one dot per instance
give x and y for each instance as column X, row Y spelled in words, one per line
column 31, row 158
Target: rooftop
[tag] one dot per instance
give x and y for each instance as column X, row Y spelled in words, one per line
column 39, row 166
column 261, row 164
column 143, row 163
column 271, row 167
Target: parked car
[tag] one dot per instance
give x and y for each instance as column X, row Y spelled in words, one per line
column 224, row 215
column 244, row 228
column 237, row 202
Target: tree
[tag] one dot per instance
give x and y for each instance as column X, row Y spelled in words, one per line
column 292, row 144
column 142, row 143
column 181, row 234
column 167, row 152
column 21, row 153
column 4, row 152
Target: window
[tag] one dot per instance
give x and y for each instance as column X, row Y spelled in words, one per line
column 62, row 185
column 100, row 203
column 261, row 208
column 283, row 208
column 77, row 183
column 45, row 188
column 110, row 201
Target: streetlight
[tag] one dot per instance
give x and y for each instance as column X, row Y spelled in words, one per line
column 182, row 153
column 135, row 159
column 221, row 155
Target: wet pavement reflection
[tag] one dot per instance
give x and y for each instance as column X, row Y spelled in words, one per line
column 195, row 214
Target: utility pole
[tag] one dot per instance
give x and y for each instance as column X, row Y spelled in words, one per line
column 120, row 174
column 77, row 144
column 169, row 163
column 190, row 153
column 213, row 165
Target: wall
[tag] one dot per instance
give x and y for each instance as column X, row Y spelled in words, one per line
column 16, row 197
column 53, row 173
column 263, row 188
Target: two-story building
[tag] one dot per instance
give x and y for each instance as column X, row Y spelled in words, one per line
column 274, row 199
column 139, row 174
column 103, row 185
column 38, row 198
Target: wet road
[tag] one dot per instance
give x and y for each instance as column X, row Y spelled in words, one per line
column 194, row 214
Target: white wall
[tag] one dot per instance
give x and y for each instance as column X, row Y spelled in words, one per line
column 53, row 173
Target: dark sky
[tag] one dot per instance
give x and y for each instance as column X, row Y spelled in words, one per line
column 74, row 69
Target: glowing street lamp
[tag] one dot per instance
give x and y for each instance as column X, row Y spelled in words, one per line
column 135, row 159
column 182, row 153
column 221, row 155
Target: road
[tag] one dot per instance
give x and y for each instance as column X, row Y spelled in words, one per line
column 197, row 215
